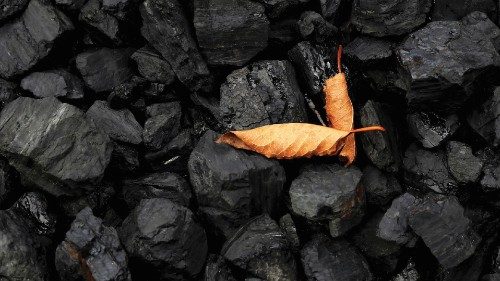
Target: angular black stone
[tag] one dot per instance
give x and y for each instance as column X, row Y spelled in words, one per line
column 163, row 234
column 263, row 93
column 174, row 155
column 329, row 7
column 463, row 165
column 52, row 145
column 53, row 83
column 486, row 119
column 217, row 269
column 125, row 94
column 457, row 9
column 230, row 32
column 261, row 248
column 162, row 125
column 103, row 69
column 394, row 224
column 152, row 66
column 119, row 125
column 431, row 129
column 490, row 180
column 30, row 38
column 369, row 50
column 33, row 206
column 164, row 26
column 11, row 7
column 93, row 14
column 393, row 17
column 312, row 25
column 124, row 159
column 380, row 187
column 325, row 259
column 329, row 192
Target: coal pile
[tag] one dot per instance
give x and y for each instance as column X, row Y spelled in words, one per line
column 109, row 168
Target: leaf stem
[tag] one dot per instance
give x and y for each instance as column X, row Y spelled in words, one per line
column 339, row 59
column 368, row 129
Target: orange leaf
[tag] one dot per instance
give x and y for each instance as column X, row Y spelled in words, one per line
column 291, row 140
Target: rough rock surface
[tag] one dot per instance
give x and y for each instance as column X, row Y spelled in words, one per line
column 93, row 14
column 463, row 165
column 486, row 119
column 431, row 129
column 53, row 83
column 490, row 180
column 329, row 7
column 380, row 187
column 163, row 124
column 11, row 7
column 312, row 25
column 263, row 93
column 8, row 92
column 456, row 10
column 217, row 269
column 65, row 149
column 71, row 4
column 152, row 66
column 394, row 225
column 369, row 50
column 230, row 32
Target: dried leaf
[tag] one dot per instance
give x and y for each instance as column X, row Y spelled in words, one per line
column 291, row 140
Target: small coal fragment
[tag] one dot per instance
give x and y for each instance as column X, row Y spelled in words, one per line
column 381, row 148
column 163, row 124
column 98, row 200
column 30, row 38
column 486, row 119
column 394, row 224
column 119, row 125
column 64, row 150
column 463, row 165
column 490, row 180
column 409, row 273
column 312, row 25
column 163, row 234
column 380, row 187
column 261, row 248
column 329, row 192
column 93, row 14
column 439, row 220
column 369, row 50
column 457, row 9
column 427, row 170
column 230, row 32
column 53, row 83
column 329, row 7
column 325, row 259
column 124, row 159
column 440, row 73
column 125, row 94
column 91, row 251
column 231, row 185
column 394, row 17
column 314, row 65
column 288, row 227
column 104, row 69
column 263, row 93
column 217, row 269
column 431, row 129
column 152, row 66
column 11, row 7
column 8, row 92
column 71, row 4
column 157, row 185
column 164, row 26
column 33, row 207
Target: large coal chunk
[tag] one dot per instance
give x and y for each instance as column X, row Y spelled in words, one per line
column 163, row 124
column 119, row 125
column 431, row 129
column 486, row 119
column 263, row 93
column 394, row 225
column 380, row 187
column 329, row 192
column 427, row 170
column 381, row 148
column 94, row 15
column 443, row 59
column 167, row 29
column 91, row 251
column 152, row 66
column 28, row 39
column 53, row 83
column 230, row 32
column 325, row 259
column 463, row 165
column 369, row 50
column 261, row 248
column 440, row 221
column 231, row 185
column 163, row 234
column 393, row 17
column 52, row 145
column 457, row 9
column 104, row 69
column 11, row 7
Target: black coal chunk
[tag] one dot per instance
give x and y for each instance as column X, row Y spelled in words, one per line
column 164, row 235
column 329, row 7
column 8, row 92
column 443, row 59
column 427, row 170
column 490, row 180
column 380, row 187
column 11, row 7
column 287, row 225
column 409, row 273
column 380, row 147
column 457, row 9
column 94, row 15
column 158, row 185
column 104, row 69
column 217, row 269
column 91, row 251
column 176, row 152
column 394, row 17
column 312, row 25
column 394, row 225
column 64, row 149
column 463, row 165
column 230, row 32
column 440, row 221
column 231, row 185
column 33, row 206
column 430, row 128
column 329, row 192
column 152, row 66
column 30, row 38
column 163, row 124
column 326, row 259
column 261, row 248
column 486, row 119
column 53, row 83
column 164, row 26
column 119, row 125
column 124, row 159
column 369, row 50
column 263, row 93
column 314, row 65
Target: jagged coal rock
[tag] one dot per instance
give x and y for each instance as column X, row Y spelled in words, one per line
column 263, row 93
column 394, row 225
column 430, row 128
column 457, row 9
column 11, row 7
column 326, row 259
column 329, row 8
column 217, row 269
column 33, row 206
column 329, row 193
column 152, row 66
column 165, row 235
column 380, row 187
column 485, row 120
column 490, row 179
column 230, row 32
column 260, row 248
column 364, row 49
column 312, row 25
column 163, row 124
column 164, row 26
column 91, row 251
column 463, row 165
column 28, row 39
column 93, row 14
column 53, row 83
column 64, row 150
column 287, row 225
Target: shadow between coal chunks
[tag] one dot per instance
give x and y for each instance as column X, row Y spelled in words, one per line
column 11, row 7
column 457, row 9
column 8, row 92
column 53, row 83
column 163, row 124
column 485, row 120
column 380, row 187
